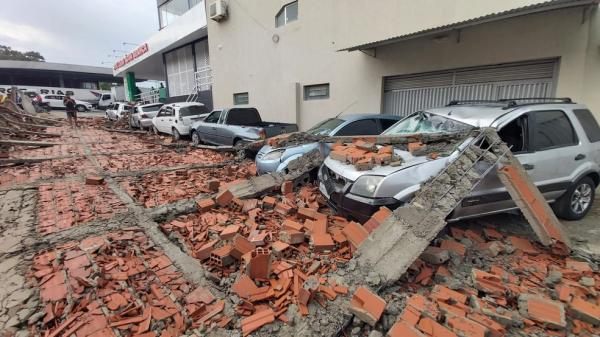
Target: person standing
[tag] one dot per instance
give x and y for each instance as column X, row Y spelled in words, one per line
column 71, row 110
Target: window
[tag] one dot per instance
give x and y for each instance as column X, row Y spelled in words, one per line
column 425, row 122
column 589, row 124
column 325, row 127
column 104, row 97
column 171, row 10
column 362, row 127
column 287, row 14
column 241, row 98
column 515, row 134
column 213, row 117
column 193, row 110
column 386, row 123
column 552, row 129
column 248, row 117
column 318, row 91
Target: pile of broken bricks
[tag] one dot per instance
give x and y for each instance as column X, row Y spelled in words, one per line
column 117, row 163
column 277, row 249
column 118, row 284
column 484, row 283
column 167, row 187
column 62, row 205
column 364, row 154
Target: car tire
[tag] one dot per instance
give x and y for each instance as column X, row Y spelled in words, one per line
column 577, row 200
column 81, row 108
column 196, row 138
column 176, row 135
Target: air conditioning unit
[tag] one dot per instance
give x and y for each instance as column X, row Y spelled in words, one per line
column 217, row 10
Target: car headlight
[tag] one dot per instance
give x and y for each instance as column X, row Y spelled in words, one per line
column 366, row 186
column 274, row 155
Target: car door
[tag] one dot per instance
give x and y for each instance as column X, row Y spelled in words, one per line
column 545, row 144
column 156, row 121
column 555, row 152
column 168, row 120
column 207, row 129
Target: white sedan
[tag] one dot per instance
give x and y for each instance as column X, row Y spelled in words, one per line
column 56, row 102
column 176, row 119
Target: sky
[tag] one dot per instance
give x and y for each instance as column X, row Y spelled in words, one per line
column 80, row 32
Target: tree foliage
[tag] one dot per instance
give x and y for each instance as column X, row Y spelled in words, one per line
column 7, row 53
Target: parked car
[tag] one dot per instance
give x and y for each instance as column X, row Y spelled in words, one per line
column 558, row 143
column 56, row 102
column 270, row 159
column 176, row 119
column 232, row 126
column 117, row 110
column 142, row 115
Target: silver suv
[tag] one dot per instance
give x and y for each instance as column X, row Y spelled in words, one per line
column 557, row 141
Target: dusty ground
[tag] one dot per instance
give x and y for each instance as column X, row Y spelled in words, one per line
column 103, row 254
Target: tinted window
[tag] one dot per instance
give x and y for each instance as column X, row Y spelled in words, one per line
column 514, row 134
column 127, row 107
column 104, row 97
column 247, row 117
column 213, row 117
column 169, row 111
column 325, row 127
column 363, row 127
column 552, row 129
column 193, row 110
column 589, row 124
column 386, row 123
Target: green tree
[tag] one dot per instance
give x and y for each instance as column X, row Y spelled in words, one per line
column 105, row 86
column 7, row 53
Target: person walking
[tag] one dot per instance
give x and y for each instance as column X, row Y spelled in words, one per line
column 71, row 110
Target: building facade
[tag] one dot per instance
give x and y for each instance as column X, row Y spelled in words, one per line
column 177, row 53
column 55, row 78
column 302, row 61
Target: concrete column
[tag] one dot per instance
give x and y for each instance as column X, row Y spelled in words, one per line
column 129, row 82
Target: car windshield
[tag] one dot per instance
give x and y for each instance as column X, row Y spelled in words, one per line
column 425, row 122
column 325, row 127
column 193, row 110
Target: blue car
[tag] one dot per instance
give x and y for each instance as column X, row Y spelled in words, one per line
column 271, row 159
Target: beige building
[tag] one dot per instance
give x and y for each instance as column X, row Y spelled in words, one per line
column 307, row 60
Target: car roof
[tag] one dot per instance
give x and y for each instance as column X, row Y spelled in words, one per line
column 480, row 115
column 184, row 104
column 149, row 104
column 355, row 117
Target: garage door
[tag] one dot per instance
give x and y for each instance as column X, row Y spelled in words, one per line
column 409, row 93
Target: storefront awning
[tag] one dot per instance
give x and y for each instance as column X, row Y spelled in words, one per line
column 515, row 12
column 147, row 60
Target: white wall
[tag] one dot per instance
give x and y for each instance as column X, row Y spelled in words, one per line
column 245, row 58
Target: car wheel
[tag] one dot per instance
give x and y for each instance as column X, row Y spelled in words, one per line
column 196, row 138
column 176, row 135
column 154, row 130
column 577, row 201
column 81, row 108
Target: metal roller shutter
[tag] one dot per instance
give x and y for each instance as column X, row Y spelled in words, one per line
column 405, row 94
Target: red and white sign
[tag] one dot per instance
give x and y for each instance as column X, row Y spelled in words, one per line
column 141, row 50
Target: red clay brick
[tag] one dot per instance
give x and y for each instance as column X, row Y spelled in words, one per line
column 585, row 311
column 402, row 329
column 224, row 198
column 94, row 180
column 434, row 329
column 466, row 327
column 454, row 246
column 543, row 310
column 291, row 236
column 205, row 205
column 355, row 233
column 322, row 242
column 367, row 306
column 287, row 187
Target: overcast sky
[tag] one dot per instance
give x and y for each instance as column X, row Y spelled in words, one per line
column 76, row 31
